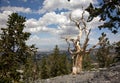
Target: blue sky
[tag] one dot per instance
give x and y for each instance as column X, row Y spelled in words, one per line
column 48, row 20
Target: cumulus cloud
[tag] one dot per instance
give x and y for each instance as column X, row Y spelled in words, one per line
column 51, row 5
column 43, row 23
column 3, row 18
column 52, row 17
column 45, row 46
column 16, row 9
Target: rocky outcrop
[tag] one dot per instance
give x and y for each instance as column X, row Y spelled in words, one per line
column 104, row 75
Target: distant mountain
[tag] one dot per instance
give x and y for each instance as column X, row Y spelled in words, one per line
column 39, row 54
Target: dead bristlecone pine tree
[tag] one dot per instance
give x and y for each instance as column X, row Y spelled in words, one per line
column 80, row 49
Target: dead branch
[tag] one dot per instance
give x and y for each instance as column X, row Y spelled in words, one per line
column 84, row 23
column 76, row 44
column 86, row 41
column 77, row 22
column 67, row 39
column 82, row 19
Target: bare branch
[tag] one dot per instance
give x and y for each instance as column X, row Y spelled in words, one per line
column 83, row 15
column 67, row 39
column 77, row 22
column 80, row 34
column 70, row 16
column 84, row 23
column 86, row 41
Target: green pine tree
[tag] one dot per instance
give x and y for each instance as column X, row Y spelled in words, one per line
column 103, row 54
column 87, row 62
column 117, row 49
column 13, row 48
column 44, row 68
column 55, row 64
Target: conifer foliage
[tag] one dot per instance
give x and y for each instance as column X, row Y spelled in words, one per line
column 13, row 48
column 104, row 56
column 109, row 11
column 117, row 49
column 55, row 64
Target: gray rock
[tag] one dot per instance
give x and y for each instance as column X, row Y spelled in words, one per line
column 108, row 75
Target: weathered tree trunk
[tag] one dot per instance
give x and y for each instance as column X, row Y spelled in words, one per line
column 77, row 67
column 79, row 63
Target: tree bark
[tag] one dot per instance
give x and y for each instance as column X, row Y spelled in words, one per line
column 77, row 68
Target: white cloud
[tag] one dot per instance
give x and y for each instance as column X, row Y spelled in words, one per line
column 3, row 18
column 77, row 14
column 9, row 10
column 45, row 44
column 48, row 19
column 52, row 17
column 51, row 5
column 32, row 23
column 95, row 23
column 34, row 39
column 16, row 9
